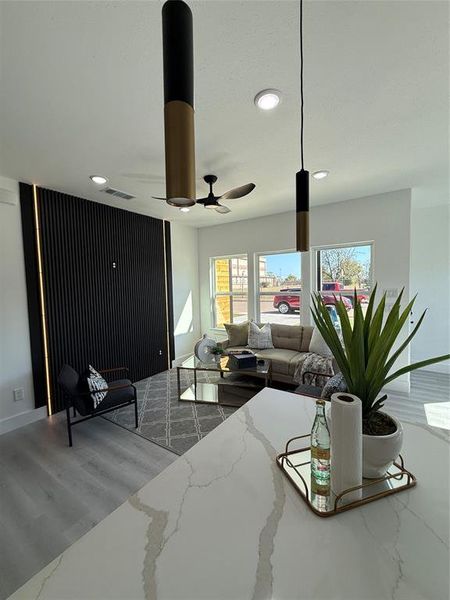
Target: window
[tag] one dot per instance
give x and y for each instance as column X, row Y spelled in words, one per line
column 230, row 290
column 340, row 271
column 278, row 287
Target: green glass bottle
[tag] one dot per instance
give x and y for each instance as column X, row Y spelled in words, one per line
column 320, row 452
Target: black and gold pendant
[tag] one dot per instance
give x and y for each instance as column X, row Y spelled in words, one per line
column 178, row 55
column 302, row 210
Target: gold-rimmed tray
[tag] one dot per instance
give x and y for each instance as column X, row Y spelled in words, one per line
column 295, row 463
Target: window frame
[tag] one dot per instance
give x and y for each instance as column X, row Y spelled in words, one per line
column 317, row 267
column 257, row 293
column 213, row 291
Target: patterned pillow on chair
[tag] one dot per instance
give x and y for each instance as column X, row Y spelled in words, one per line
column 96, row 382
column 334, row 384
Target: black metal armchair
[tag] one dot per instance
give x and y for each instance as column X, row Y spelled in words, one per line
column 120, row 393
column 308, row 389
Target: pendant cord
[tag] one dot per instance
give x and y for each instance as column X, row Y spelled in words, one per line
column 301, row 84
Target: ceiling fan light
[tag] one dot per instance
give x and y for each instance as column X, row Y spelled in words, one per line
column 185, row 209
column 180, row 202
column 211, row 206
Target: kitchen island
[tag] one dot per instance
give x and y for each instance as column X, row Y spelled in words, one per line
column 223, row 523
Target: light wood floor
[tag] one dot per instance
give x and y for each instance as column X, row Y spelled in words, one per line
column 424, row 402
column 50, row 494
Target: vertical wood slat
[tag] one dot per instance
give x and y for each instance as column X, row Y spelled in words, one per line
column 97, row 314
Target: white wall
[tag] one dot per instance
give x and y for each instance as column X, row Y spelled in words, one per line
column 430, row 273
column 383, row 219
column 15, row 358
column 186, row 302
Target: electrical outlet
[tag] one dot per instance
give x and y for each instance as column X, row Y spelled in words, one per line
column 18, row 394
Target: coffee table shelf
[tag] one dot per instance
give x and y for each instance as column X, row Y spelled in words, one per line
column 234, row 388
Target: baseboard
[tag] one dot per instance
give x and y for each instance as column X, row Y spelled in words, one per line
column 177, row 361
column 23, row 418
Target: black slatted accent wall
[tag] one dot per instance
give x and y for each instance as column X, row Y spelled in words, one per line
column 105, row 289
column 34, row 303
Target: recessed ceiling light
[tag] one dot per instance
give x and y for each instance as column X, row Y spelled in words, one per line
column 268, row 99
column 98, row 179
column 320, row 174
column 185, row 209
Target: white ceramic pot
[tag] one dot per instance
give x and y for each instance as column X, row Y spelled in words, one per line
column 380, row 451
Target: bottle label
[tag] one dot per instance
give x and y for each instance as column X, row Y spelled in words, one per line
column 320, row 453
column 320, row 489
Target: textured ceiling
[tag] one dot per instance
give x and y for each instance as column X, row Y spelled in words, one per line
column 81, row 93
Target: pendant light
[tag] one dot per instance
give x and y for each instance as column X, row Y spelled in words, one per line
column 178, row 58
column 302, row 177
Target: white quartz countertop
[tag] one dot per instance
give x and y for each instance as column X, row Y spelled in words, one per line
column 223, row 523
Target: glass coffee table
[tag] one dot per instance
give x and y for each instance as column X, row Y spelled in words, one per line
column 234, row 388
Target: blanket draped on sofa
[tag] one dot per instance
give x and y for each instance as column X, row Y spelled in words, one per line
column 316, row 363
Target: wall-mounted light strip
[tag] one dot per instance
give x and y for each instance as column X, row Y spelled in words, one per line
column 42, row 297
column 166, row 296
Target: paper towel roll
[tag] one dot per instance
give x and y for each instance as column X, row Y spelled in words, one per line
column 346, row 445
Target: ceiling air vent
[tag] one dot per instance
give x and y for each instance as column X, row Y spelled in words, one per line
column 118, row 193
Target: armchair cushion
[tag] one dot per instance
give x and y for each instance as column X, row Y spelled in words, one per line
column 115, row 397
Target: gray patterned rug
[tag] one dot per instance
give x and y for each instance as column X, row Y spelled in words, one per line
column 165, row 420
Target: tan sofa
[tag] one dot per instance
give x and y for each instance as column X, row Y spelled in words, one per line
column 290, row 342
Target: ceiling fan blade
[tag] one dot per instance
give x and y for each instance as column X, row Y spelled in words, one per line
column 238, row 192
column 158, row 198
column 202, row 200
column 222, row 209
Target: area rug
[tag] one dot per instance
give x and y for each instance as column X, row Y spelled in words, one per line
column 165, row 420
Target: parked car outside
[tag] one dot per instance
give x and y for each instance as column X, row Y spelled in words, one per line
column 289, row 300
column 337, row 286
column 332, row 286
column 330, row 299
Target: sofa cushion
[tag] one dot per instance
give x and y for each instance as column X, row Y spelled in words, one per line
column 237, row 333
column 318, row 345
column 281, row 359
column 306, row 338
column 288, row 337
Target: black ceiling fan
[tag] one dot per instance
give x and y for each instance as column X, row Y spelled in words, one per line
column 212, row 202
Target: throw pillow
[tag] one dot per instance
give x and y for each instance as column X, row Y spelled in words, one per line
column 334, row 384
column 96, row 382
column 259, row 339
column 317, row 345
column 237, row 333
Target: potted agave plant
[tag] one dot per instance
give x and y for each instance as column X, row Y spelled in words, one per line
column 366, row 356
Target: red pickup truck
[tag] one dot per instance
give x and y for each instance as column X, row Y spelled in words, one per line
column 336, row 286
column 289, row 300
